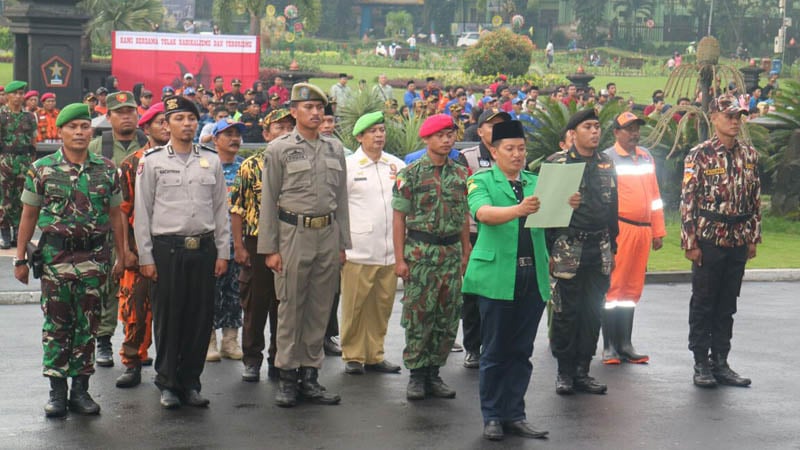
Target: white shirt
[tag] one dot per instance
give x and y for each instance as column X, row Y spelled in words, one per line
column 369, row 194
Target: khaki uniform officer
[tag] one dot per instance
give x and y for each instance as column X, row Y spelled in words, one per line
column 182, row 231
column 304, row 229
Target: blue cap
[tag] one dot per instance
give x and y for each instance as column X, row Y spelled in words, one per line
column 166, row 89
column 487, row 99
column 224, row 124
column 189, row 91
column 516, row 100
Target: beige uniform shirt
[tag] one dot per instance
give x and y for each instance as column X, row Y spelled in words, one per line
column 181, row 198
column 302, row 177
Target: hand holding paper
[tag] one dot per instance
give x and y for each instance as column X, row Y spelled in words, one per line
column 555, row 188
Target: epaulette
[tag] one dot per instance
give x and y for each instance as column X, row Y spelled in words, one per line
column 559, row 157
column 206, row 148
column 153, row 150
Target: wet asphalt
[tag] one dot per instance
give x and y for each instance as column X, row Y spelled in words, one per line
column 653, row 406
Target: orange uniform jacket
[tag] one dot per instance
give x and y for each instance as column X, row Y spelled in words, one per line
column 47, row 130
column 641, row 219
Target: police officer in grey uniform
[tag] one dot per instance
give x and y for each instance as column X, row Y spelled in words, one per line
column 304, row 230
column 182, row 230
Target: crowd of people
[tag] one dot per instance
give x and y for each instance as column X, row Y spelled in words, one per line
column 146, row 225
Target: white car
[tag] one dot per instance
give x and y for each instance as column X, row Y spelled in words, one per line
column 468, row 39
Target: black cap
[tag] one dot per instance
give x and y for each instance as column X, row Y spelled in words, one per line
column 177, row 103
column 491, row 113
column 329, row 109
column 580, row 117
column 342, row 75
column 430, row 79
column 507, row 130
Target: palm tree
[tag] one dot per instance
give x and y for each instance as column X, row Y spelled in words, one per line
column 224, row 10
column 114, row 15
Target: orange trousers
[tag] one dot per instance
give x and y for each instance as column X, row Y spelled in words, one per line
column 137, row 317
column 633, row 250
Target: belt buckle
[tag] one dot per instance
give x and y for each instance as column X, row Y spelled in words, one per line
column 316, row 222
column 191, row 243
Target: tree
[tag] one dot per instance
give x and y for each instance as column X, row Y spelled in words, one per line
column 223, row 9
column 397, row 22
column 631, row 9
column 587, row 12
column 501, row 51
column 118, row 15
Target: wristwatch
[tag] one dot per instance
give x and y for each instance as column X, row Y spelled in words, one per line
column 19, row 262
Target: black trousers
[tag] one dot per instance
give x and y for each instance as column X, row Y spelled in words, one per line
column 576, row 323
column 333, row 321
column 257, row 294
column 471, row 317
column 715, row 287
column 508, row 331
column 183, row 311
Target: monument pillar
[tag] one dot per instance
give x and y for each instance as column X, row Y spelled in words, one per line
column 47, row 46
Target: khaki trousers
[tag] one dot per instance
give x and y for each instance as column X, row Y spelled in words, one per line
column 367, row 298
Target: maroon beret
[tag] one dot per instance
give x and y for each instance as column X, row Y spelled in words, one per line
column 151, row 113
column 435, row 124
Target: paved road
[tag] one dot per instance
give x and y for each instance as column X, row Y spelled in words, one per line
column 647, row 407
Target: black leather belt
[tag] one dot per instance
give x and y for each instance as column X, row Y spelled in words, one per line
column 633, row 222
column 72, row 243
column 723, row 218
column 306, row 221
column 433, row 239
column 187, row 242
column 525, row 261
column 587, row 235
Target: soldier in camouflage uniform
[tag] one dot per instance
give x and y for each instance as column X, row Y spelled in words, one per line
column 720, row 227
column 17, row 152
column 73, row 197
column 582, row 257
column 431, row 244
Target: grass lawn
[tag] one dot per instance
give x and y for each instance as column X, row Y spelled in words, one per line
column 6, row 72
column 779, row 248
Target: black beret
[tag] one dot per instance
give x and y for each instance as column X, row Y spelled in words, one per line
column 177, row 103
column 507, row 129
column 581, row 116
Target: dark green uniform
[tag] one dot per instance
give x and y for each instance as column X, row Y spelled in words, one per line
column 434, row 200
column 17, row 152
column 74, row 204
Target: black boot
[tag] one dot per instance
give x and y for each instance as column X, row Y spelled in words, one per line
column 610, row 355
column 57, row 404
column 624, row 330
column 702, row 371
column 79, row 399
column 131, row 377
column 564, row 380
column 436, row 387
column 312, row 390
column 273, row 373
column 584, row 383
column 287, row 388
column 104, row 356
column 416, row 384
column 5, row 238
column 723, row 373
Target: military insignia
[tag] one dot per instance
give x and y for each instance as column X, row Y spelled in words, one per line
column 172, row 104
column 204, row 163
column 400, row 182
column 484, row 163
column 604, row 166
column 749, row 166
column 715, row 171
column 363, row 161
column 121, row 97
column 304, row 93
column 140, row 169
column 471, row 187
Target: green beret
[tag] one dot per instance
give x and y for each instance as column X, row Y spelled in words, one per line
column 15, row 86
column 73, row 111
column 119, row 100
column 305, row 92
column 366, row 121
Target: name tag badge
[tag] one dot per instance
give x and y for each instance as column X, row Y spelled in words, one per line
column 484, row 163
column 360, row 179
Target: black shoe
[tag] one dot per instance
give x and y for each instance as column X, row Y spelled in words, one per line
column 703, row 376
column 286, row 397
column 130, row 378
column 169, row 399
column 472, row 360
column 331, row 347
column 584, row 383
column 354, row 368
column 564, row 385
column 524, row 429
column 57, row 404
column 312, row 390
column 436, row 387
column 724, row 374
column 273, row 373
column 105, row 356
column 251, row 373
column 79, row 399
column 416, row 384
column 383, row 367
column 493, row 431
column 147, row 361
column 192, row 397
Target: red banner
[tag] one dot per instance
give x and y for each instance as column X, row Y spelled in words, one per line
column 161, row 59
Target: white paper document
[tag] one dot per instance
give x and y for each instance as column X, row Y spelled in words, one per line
column 556, row 184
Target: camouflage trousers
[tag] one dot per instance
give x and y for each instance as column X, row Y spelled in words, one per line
column 227, row 306
column 71, row 295
column 136, row 316
column 431, row 309
column 13, row 168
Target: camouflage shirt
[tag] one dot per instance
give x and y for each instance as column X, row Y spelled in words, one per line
column 17, row 131
column 434, row 198
column 245, row 195
column 721, row 183
column 74, row 200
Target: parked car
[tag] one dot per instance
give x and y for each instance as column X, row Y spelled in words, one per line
column 468, row 39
